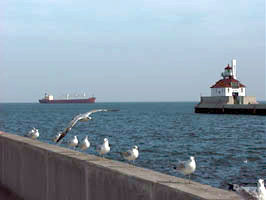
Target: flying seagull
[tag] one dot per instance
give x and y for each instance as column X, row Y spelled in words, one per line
column 186, row 167
column 81, row 117
column 57, row 136
column 103, row 148
column 250, row 193
column 131, row 154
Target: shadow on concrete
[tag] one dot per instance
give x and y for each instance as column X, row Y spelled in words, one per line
column 6, row 194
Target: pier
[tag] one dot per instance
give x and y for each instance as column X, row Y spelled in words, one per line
column 32, row 170
column 225, row 105
column 255, row 109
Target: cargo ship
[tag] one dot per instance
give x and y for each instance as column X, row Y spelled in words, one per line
column 48, row 98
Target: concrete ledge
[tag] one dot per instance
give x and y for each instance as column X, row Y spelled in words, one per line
column 250, row 109
column 35, row 170
column 6, row 194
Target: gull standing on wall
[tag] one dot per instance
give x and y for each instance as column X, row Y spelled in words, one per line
column 132, row 154
column 250, row 193
column 103, row 148
column 186, row 167
column 73, row 142
column 85, row 144
column 81, row 117
column 34, row 133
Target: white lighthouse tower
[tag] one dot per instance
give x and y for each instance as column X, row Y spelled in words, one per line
column 234, row 68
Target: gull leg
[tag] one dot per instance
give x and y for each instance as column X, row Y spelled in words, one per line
column 133, row 163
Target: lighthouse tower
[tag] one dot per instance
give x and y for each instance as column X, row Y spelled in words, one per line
column 228, row 95
column 228, row 85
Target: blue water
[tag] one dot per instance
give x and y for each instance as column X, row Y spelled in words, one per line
column 164, row 132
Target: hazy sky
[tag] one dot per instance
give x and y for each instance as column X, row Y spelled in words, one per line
column 139, row 50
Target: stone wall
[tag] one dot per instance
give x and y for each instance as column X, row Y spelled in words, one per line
column 35, row 170
column 217, row 100
column 227, row 100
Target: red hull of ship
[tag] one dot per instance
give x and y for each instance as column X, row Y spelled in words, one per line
column 89, row 100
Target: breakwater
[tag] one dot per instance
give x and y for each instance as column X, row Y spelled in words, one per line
column 230, row 105
column 249, row 109
column 36, row 170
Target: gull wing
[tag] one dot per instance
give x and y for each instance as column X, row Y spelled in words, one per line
column 80, row 117
column 180, row 166
column 101, row 110
column 126, row 153
column 96, row 110
column 69, row 127
column 75, row 120
column 249, row 193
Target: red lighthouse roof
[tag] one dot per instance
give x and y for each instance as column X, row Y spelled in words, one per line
column 228, row 67
column 228, row 83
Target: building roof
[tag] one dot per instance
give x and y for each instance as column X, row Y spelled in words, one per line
column 228, row 83
column 228, row 67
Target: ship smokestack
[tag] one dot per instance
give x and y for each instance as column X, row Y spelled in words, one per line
column 234, row 68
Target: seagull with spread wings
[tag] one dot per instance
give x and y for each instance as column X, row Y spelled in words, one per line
column 81, row 117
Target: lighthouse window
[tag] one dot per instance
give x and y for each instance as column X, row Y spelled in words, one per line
column 228, row 90
column 235, row 85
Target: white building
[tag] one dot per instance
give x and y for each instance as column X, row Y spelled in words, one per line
column 48, row 97
column 228, row 85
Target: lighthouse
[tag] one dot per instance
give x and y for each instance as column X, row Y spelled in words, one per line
column 228, row 90
column 228, row 85
column 228, row 96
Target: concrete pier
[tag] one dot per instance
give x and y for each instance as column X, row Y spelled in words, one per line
column 228, row 105
column 34, row 170
column 249, row 109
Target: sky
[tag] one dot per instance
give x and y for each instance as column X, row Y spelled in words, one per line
column 120, row 51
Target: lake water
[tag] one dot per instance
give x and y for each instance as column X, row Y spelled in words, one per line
column 227, row 148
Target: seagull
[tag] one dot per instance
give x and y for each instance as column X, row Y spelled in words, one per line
column 186, row 167
column 73, row 142
column 103, row 148
column 57, row 136
column 81, row 117
column 261, row 189
column 250, row 193
column 34, row 133
column 85, row 144
column 131, row 154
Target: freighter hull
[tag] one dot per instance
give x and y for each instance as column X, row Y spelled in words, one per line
column 89, row 100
